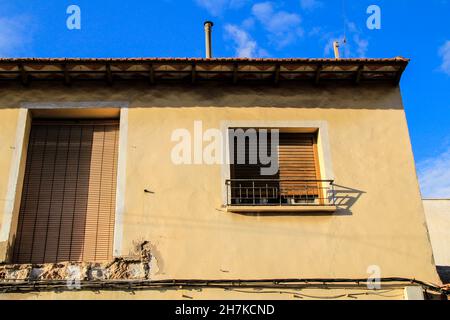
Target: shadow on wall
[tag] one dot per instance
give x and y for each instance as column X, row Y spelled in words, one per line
column 7, row 255
column 140, row 95
column 345, row 199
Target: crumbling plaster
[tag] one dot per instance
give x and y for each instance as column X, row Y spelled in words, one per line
column 139, row 265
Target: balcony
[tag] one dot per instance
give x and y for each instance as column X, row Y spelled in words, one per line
column 280, row 195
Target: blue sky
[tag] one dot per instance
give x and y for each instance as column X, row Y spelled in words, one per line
column 292, row 28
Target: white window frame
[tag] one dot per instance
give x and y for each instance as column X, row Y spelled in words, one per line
column 323, row 144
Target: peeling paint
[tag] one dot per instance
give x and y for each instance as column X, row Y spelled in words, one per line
column 149, row 254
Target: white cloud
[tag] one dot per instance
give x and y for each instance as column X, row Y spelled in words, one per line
column 14, row 35
column 248, row 23
column 310, row 4
column 444, row 53
column 359, row 44
column 434, row 176
column 362, row 45
column 356, row 45
column 244, row 44
column 283, row 27
column 217, row 7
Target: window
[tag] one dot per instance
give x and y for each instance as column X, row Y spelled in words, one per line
column 297, row 181
column 68, row 198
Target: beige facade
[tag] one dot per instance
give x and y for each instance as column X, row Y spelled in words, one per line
column 437, row 212
column 365, row 149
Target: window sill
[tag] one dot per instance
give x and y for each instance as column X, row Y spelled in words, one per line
column 281, row 209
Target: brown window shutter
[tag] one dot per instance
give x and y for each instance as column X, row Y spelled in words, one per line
column 298, row 164
column 68, row 199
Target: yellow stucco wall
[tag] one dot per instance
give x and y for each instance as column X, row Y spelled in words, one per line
column 8, row 126
column 186, row 223
column 184, row 219
column 7, row 144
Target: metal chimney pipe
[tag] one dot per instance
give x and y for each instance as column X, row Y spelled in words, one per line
column 336, row 49
column 208, row 29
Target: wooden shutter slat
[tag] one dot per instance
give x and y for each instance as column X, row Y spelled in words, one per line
column 94, row 196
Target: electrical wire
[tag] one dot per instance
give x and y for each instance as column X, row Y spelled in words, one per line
column 350, row 295
column 262, row 284
column 344, row 17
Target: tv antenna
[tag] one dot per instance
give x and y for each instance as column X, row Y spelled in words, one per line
column 344, row 17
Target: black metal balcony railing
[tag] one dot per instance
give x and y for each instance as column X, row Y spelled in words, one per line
column 280, row 192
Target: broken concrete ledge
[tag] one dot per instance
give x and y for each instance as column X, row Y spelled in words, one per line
column 135, row 267
column 121, row 268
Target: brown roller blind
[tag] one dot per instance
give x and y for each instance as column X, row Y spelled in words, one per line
column 68, row 199
column 298, row 164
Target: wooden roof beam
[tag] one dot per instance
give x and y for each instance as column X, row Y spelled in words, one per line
column 24, row 78
column 67, row 79
column 235, row 73
column 151, row 73
column 358, row 74
column 317, row 76
column 193, row 74
column 109, row 76
column 276, row 76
